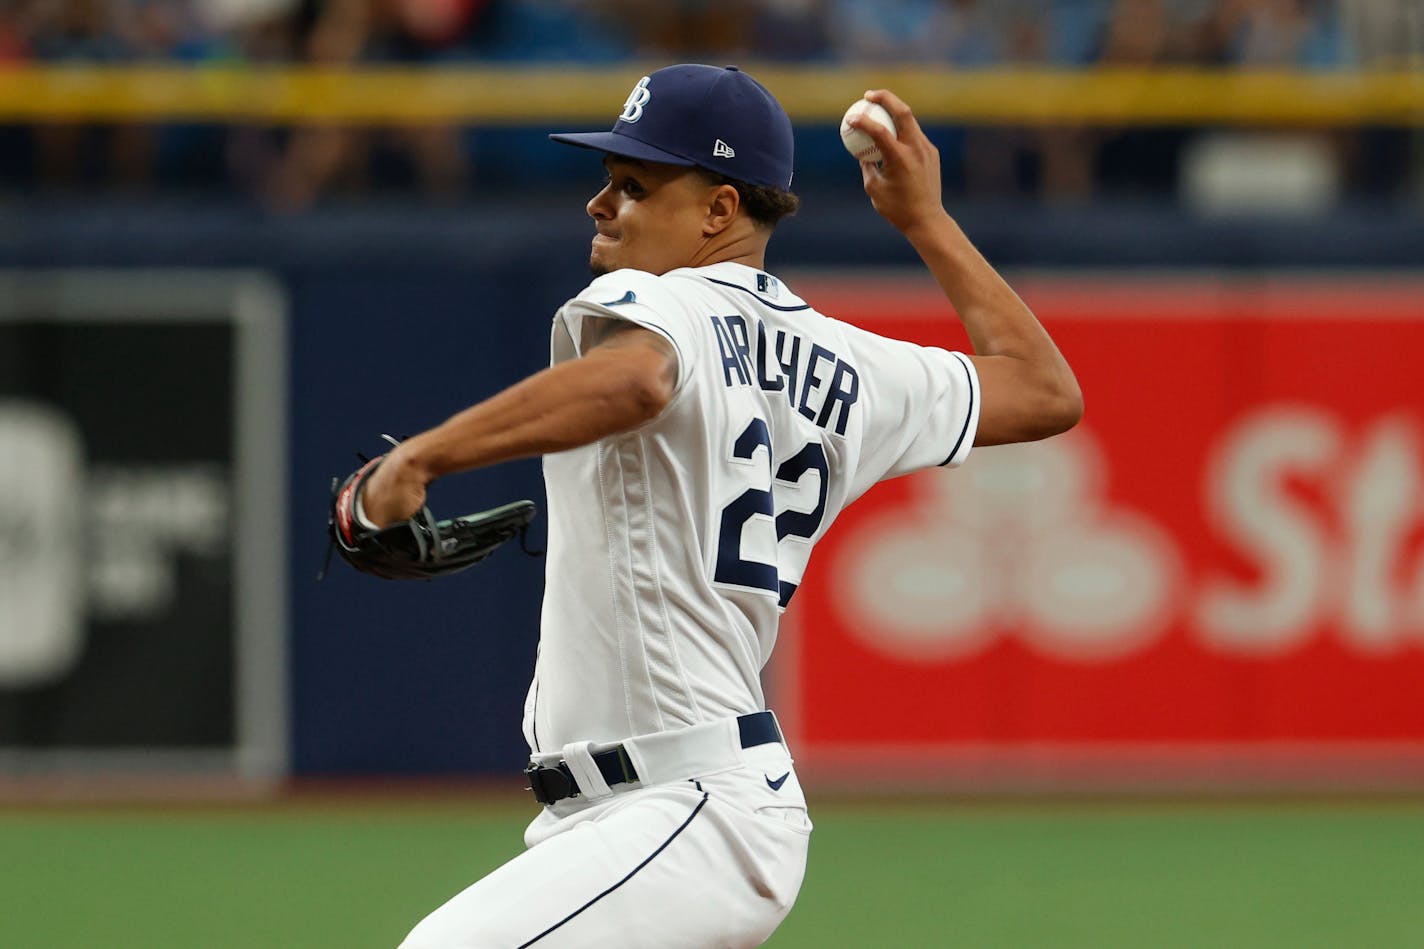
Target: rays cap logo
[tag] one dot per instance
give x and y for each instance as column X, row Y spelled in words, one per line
column 717, row 118
column 633, row 107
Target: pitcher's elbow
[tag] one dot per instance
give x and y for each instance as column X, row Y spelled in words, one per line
column 1056, row 409
column 1066, row 408
column 646, row 395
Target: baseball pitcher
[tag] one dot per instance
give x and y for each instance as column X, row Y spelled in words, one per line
column 702, row 427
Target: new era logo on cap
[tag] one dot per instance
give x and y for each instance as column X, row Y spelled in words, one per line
column 673, row 113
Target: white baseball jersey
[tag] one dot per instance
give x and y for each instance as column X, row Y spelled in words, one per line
column 674, row 548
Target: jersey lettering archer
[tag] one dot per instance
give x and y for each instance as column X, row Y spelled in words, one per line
column 781, row 370
column 674, row 548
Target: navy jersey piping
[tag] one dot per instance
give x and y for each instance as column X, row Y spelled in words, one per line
column 737, row 286
column 968, row 416
column 695, row 811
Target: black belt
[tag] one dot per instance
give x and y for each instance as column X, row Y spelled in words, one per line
column 551, row 784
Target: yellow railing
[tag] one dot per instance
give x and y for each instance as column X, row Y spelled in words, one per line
column 592, row 96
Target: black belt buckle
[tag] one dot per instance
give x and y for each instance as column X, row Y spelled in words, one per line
column 551, row 784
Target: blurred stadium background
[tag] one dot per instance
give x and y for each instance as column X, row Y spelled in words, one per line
column 1156, row 683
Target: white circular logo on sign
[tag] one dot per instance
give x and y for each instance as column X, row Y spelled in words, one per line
column 1024, row 543
column 41, row 568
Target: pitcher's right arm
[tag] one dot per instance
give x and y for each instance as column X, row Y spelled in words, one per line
column 1028, row 390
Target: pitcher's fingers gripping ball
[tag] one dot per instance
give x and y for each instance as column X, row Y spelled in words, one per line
column 904, row 186
column 858, row 143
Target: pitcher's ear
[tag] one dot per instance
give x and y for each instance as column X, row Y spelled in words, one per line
column 722, row 207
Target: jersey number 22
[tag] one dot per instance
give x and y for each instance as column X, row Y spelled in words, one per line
column 736, row 516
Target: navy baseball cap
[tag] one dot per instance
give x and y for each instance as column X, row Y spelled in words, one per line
column 716, row 118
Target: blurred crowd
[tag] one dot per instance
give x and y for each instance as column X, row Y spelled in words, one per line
column 291, row 168
column 968, row 33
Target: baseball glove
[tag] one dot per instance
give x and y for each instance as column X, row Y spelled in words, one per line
column 423, row 547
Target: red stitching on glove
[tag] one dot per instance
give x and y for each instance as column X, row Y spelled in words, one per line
column 346, row 500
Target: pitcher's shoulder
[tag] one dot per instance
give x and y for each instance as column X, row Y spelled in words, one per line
column 627, row 290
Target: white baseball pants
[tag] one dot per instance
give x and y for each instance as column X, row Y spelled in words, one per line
column 715, row 861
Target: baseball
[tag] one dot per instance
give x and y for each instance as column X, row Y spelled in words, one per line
column 859, row 144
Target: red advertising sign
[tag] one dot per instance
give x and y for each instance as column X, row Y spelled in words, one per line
column 1227, row 552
